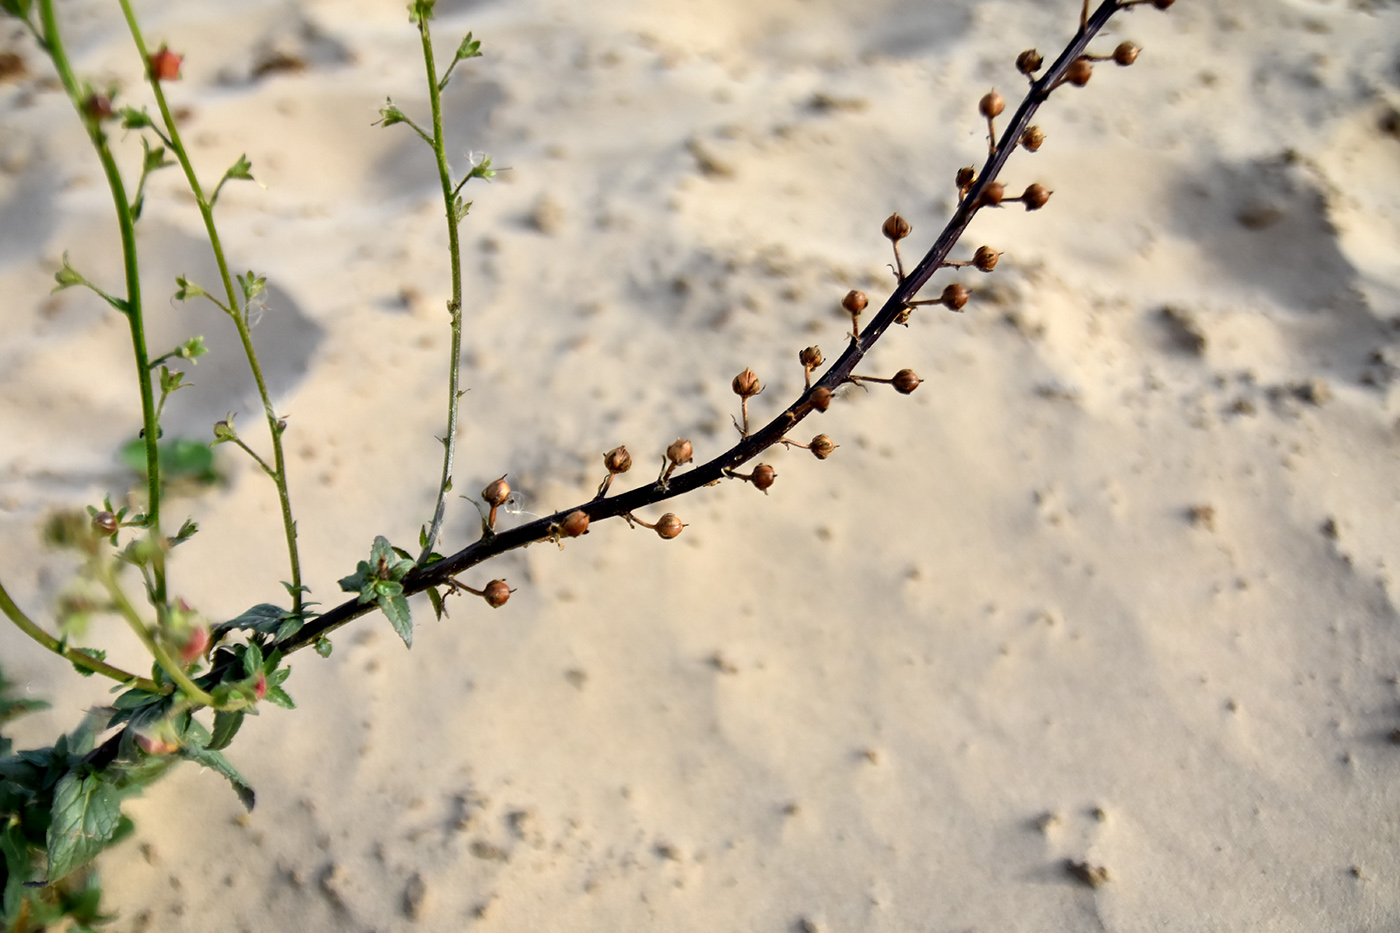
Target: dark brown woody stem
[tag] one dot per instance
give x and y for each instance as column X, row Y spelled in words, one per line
column 437, row 574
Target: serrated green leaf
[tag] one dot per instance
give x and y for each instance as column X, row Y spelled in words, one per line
column 279, row 697
column 252, row 660
column 188, row 530
column 226, row 726
column 395, row 606
column 435, row 598
column 212, row 758
column 86, row 812
column 264, row 618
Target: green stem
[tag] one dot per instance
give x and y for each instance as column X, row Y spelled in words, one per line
column 167, row 663
column 454, row 307
column 126, row 224
column 80, row 658
column 206, row 211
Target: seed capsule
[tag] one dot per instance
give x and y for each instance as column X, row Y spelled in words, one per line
column 820, row 398
column 811, row 357
column 1162, row 4
column 1029, row 62
column 954, row 297
column 668, row 525
column 855, row 301
column 165, row 65
column 905, row 381
column 1035, row 197
column 680, row 451
column 496, row 493
column 1032, row 138
column 896, row 228
column 992, row 194
column 106, row 523
column 1079, row 72
column 822, row 446
column 763, row 476
column 746, row 384
column 496, row 593
column 574, row 524
column 991, row 104
column 1126, row 53
column 617, row 460
column 985, row 258
column 965, row 177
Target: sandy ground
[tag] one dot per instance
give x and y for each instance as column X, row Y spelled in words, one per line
column 1116, row 585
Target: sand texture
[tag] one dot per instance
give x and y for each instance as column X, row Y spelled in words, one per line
column 1115, row 588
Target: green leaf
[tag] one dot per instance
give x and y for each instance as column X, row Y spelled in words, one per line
column 154, row 159
column 324, row 647
column 242, row 169
column 187, row 290
column 435, row 598
column 390, row 114
column 86, row 812
column 180, row 458
column 470, row 48
column 279, row 697
column 192, row 349
column 392, row 601
column 226, row 726
column 211, row 758
column 460, row 209
column 252, row 285
column 133, row 119
column 95, row 653
column 18, row 8
column 67, row 276
column 252, row 660
column 187, row 531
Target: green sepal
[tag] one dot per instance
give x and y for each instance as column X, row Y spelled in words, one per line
column 253, row 285
column 420, row 10
column 187, row 531
column 133, row 119
column 185, row 289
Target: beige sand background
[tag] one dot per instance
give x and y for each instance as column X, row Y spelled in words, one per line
column 1113, row 585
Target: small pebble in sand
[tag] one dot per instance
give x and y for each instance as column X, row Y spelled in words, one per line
column 1202, row 516
column 1095, row 876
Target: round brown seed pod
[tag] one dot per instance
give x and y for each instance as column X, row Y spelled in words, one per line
column 496, row 493
column 905, row 381
column 1032, row 138
column 1126, row 53
column 821, row 446
column 1035, row 197
column 855, row 301
column 746, row 384
column 617, row 460
column 810, row 357
column 821, row 398
column 985, row 258
column 1079, row 72
column 668, row 525
column 680, row 451
column 1029, row 62
column 496, row 593
column 965, row 177
column 763, row 476
column 991, row 104
column 992, row 194
column 106, row 523
column 896, row 228
column 954, row 297
column 574, row 524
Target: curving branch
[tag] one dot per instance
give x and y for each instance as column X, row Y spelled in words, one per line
column 1072, row 67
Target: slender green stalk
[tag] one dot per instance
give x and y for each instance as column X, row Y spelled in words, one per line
column 454, row 307
column 80, row 658
column 240, row 320
column 168, row 664
column 126, row 224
